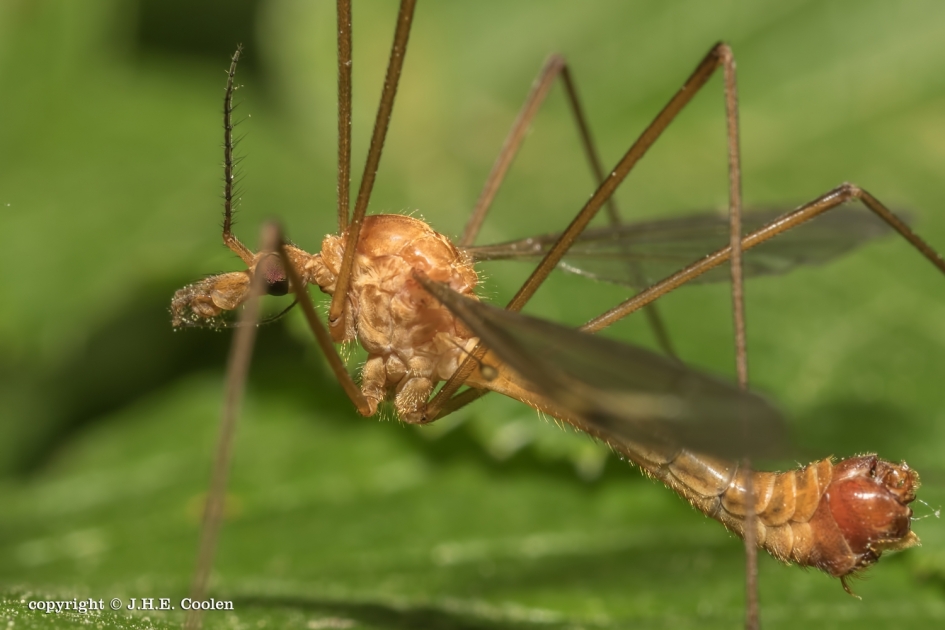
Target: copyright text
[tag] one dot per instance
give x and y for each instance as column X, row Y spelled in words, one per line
column 86, row 606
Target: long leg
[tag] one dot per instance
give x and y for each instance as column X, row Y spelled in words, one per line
column 396, row 64
column 832, row 199
column 241, row 353
column 735, row 216
column 327, row 337
column 344, row 113
column 693, row 84
column 738, row 313
column 652, row 312
column 322, row 335
column 237, row 368
column 554, row 67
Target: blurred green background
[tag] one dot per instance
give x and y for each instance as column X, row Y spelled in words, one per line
column 110, row 139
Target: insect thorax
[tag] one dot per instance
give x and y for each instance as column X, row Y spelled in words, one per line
column 412, row 341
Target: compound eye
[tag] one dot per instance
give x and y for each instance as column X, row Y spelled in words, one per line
column 278, row 287
column 277, row 283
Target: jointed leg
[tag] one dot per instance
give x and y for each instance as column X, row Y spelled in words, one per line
column 322, row 336
column 344, row 113
column 738, row 311
column 555, row 66
column 605, row 191
column 836, row 197
column 236, row 370
column 398, row 51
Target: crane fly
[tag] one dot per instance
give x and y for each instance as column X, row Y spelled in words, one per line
column 406, row 293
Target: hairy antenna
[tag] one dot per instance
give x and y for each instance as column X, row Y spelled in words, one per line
column 229, row 163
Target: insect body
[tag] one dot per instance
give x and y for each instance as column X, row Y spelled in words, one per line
column 412, row 341
column 835, row 517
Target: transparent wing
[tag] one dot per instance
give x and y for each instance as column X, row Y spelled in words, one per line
column 642, row 253
column 625, row 392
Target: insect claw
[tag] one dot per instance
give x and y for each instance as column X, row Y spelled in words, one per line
column 846, row 587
